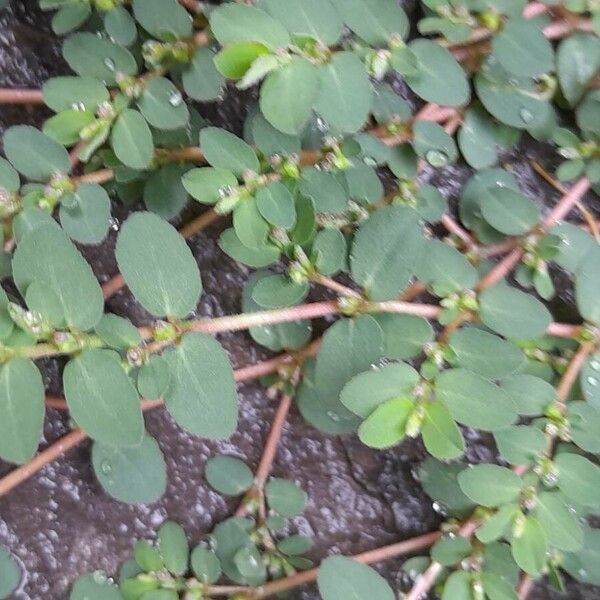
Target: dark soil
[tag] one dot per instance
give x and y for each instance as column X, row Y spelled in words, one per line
column 60, row 524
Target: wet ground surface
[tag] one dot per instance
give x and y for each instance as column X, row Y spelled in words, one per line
column 60, row 524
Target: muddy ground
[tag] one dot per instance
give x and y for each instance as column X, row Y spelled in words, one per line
column 61, row 524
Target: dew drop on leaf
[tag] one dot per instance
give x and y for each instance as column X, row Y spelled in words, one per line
column 175, row 98
column 526, row 115
column 436, row 158
column 109, row 63
column 592, row 381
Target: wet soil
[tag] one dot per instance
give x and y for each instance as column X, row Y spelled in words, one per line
column 61, row 524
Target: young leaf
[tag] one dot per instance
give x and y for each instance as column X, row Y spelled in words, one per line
column 531, row 394
column 404, row 335
column 529, row 546
column 90, row 587
column 10, row 573
column 162, row 105
column 173, row 547
column 205, row 565
column 587, row 286
column 235, row 60
column 208, row 185
column 490, row 485
column 520, row 445
column 223, row 150
column 22, row 406
column 166, row 20
column 132, row 474
column 202, row 397
column 441, row 436
column 341, row 578
column 228, row 475
column 386, row 425
column 131, row 140
column 201, row 80
column 285, row 497
column 102, row 399
column 577, row 61
column 578, row 478
column 509, row 211
column 34, row 154
column 331, row 251
column 62, row 93
column 158, row 266
column 88, row 219
column 563, row 528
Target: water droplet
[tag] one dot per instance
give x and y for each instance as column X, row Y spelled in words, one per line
column 175, row 98
column 369, row 161
column 592, row 381
column 436, row 158
column 526, row 115
column 582, row 573
column 79, row 106
column 595, row 364
column 333, row 415
column 106, row 467
column 566, row 242
column 439, row 508
column 109, row 63
column 322, row 124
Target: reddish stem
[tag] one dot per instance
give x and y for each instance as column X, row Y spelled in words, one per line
column 525, row 587
column 21, row 96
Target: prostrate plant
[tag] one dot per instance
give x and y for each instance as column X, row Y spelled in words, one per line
column 304, row 192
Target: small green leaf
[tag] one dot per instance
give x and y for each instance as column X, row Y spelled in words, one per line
column 288, row 94
column 587, row 286
column 117, row 332
column 162, row 105
column 10, row 573
column 531, row 394
column 585, row 423
column 208, row 185
column 163, row 276
column 205, row 565
column 513, row 314
column 164, row 193
column 276, row 204
column 153, row 378
column 441, row 436
column 458, row 586
column 228, row 475
column 259, row 257
column 235, row 60
column 166, row 20
column 64, row 128
column 577, row 61
column 331, row 251
column 278, row 291
column 497, row 525
column 386, row 425
column 295, row 544
column 341, row 578
column 529, row 547
column 227, row 151
column 131, row 140
column 91, row 587
column 22, row 406
column 88, row 220
column 520, row 445
column 285, row 497
column 34, row 154
column 432, row 143
column 490, row 485
column 201, row 80
column 404, row 335
column 497, row 588
column 132, row 474
column 63, row 93
column 561, row 526
column 509, row 211
column 173, row 547
column 102, row 399
column 578, row 478
column 324, row 189
column 202, row 397
column 120, row 26
column 450, row 550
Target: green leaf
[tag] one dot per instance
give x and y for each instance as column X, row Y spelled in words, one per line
column 366, row 391
column 331, row 251
column 10, row 573
column 34, row 154
column 585, row 423
column 277, row 291
column 166, row 20
column 69, row 18
column 249, row 563
column 490, row 485
column 364, row 184
column 317, row 19
column 445, row 269
column 173, row 547
column 9, row 178
column 342, row 578
column 46, row 255
column 324, row 189
column 439, row 481
column 450, row 550
column 349, row 347
column 531, row 395
column 271, row 141
column 164, row 193
column 587, row 286
column 529, row 547
column 87, row 221
column 295, row 544
column 22, row 406
column 512, row 313
column 91, row 56
column 497, row 525
column 228, row 475
column 208, row 185
column 131, row 140
column 578, row 478
column 163, row 276
column 252, row 257
column 147, row 556
column 345, row 94
column 223, row 150
column 162, row 105
column 153, row 378
column 205, row 565
column 577, row 61
column 497, row 588
column 458, row 586
column 102, row 399
column 375, row 21
column 475, row 401
column 522, row 49
column 64, row 128
column 117, row 332
column 583, row 565
column 285, row 497
column 520, row 445
column 202, row 397
column 235, row 60
column 404, row 335
column 432, row 143
column 562, row 527
column 232, row 23
column 288, row 94
column 509, row 211
column 120, row 26
column 132, row 474
column 91, row 587
column 484, row 353
column 441, row 436
column 201, row 80
column 477, row 138
column 63, row 93
column 384, row 250
column 291, row 336
column 439, row 78
column 249, row 225
column 386, row 425
column 232, row 535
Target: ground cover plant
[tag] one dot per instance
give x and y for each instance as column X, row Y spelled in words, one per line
column 436, row 320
